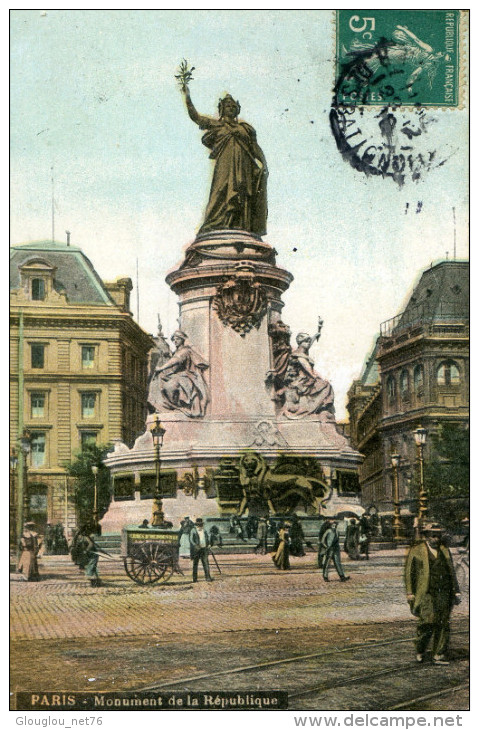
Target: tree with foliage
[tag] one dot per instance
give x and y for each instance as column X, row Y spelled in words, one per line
column 446, row 474
column 81, row 469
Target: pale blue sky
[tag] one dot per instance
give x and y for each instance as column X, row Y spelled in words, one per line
column 94, row 94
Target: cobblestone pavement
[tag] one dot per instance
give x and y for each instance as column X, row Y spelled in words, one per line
column 250, row 594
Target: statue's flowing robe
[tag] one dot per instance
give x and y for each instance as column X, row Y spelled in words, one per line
column 182, row 386
column 238, row 190
column 312, row 393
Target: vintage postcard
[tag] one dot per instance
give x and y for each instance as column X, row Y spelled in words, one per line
column 239, row 365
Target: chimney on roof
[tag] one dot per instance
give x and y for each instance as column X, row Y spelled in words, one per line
column 120, row 290
column 68, row 237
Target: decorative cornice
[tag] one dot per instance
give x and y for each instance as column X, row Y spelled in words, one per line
column 215, row 274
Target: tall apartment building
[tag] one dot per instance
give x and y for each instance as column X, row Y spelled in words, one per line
column 417, row 375
column 78, row 368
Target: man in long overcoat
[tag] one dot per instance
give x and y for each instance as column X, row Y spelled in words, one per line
column 330, row 543
column 351, row 539
column 321, row 548
column 199, row 544
column 432, row 589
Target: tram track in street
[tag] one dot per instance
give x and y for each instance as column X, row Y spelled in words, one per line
column 363, row 678
column 413, row 701
column 320, row 655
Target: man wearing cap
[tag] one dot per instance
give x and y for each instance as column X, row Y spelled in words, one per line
column 29, row 546
column 432, row 589
column 199, row 544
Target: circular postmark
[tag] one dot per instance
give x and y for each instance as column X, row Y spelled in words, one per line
column 377, row 119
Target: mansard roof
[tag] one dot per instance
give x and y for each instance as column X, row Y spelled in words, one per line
column 441, row 294
column 74, row 272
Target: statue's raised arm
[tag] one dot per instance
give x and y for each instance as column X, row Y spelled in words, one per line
column 238, row 189
column 201, row 120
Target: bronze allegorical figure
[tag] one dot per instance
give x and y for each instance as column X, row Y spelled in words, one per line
column 238, row 190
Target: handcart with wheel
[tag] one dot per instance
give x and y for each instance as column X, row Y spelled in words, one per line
column 150, row 555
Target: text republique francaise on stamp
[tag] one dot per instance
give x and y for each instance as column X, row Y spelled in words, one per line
column 391, row 68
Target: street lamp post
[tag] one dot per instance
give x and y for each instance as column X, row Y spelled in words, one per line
column 13, row 471
column 95, row 494
column 420, row 435
column 25, row 444
column 395, row 459
column 157, row 433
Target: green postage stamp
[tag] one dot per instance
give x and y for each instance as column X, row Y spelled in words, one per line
column 407, row 57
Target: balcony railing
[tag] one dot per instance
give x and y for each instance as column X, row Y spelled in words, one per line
column 441, row 316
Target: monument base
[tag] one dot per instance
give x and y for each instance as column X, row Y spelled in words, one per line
column 195, row 451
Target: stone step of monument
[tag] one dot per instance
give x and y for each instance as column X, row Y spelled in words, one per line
column 109, row 542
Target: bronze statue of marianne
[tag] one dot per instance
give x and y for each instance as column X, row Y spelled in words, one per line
column 238, row 190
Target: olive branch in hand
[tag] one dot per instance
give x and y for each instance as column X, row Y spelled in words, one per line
column 185, row 75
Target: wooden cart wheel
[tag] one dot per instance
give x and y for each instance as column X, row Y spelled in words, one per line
column 148, row 563
column 140, row 565
column 165, row 563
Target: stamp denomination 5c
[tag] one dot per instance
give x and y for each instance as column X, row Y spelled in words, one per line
column 400, row 57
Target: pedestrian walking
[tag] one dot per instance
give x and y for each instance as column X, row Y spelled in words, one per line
column 30, row 543
column 364, row 536
column 186, row 525
column 297, row 537
column 330, row 541
column 432, row 590
column 91, row 550
column 77, row 547
column 321, row 548
column 199, row 544
column 281, row 556
column 262, row 536
column 236, row 528
column 351, row 539
column 49, row 540
column 60, row 546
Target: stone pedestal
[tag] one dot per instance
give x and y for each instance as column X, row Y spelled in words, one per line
column 229, row 290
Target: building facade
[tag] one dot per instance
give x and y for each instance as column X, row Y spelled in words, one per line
column 78, row 370
column 417, row 375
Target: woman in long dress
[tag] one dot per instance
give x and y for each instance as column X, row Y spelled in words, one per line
column 29, row 546
column 351, row 540
column 281, row 556
column 238, row 190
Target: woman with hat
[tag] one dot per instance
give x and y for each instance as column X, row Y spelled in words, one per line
column 432, row 590
column 281, row 556
column 30, row 544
